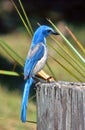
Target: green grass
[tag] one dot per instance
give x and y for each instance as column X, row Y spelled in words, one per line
column 17, row 40
column 79, row 31
column 10, row 103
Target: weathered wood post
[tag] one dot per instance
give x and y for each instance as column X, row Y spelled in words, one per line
column 61, row 106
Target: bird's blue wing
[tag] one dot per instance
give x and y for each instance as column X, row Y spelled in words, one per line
column 34, row 55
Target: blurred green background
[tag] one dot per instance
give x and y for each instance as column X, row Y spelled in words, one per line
column 12, row 31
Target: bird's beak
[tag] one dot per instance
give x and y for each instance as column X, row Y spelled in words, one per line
column 55, row 33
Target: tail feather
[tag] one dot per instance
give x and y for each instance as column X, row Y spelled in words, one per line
column 25, row 99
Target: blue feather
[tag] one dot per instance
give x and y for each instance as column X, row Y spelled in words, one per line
column 25, row 99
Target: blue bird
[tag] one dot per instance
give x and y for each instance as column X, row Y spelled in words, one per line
column 35, row 61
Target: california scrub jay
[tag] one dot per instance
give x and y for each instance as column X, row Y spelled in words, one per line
column 35, row 61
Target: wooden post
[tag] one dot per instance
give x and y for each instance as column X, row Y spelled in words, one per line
column 61, row 106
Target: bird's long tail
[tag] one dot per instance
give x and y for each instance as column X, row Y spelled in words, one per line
column 25, row 99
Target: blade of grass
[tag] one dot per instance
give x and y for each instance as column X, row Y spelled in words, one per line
column 68, row 43
column 24, row 12
column 75, row 39
column 11, row 52
column 50, row 69
column 11, row 73
column 69, row 71
column 68, row 61
column 67, row 53
column 21, row 18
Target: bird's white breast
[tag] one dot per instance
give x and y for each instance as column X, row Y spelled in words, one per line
column 42, row 61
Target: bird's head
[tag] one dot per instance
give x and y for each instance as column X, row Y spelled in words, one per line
column 46, row 30
column 41, row 33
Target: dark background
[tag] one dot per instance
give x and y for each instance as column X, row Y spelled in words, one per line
column 72, row 11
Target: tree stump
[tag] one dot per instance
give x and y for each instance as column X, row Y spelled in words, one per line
column 61, row 106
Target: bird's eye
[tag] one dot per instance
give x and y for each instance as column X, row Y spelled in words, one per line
column 49, row 31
